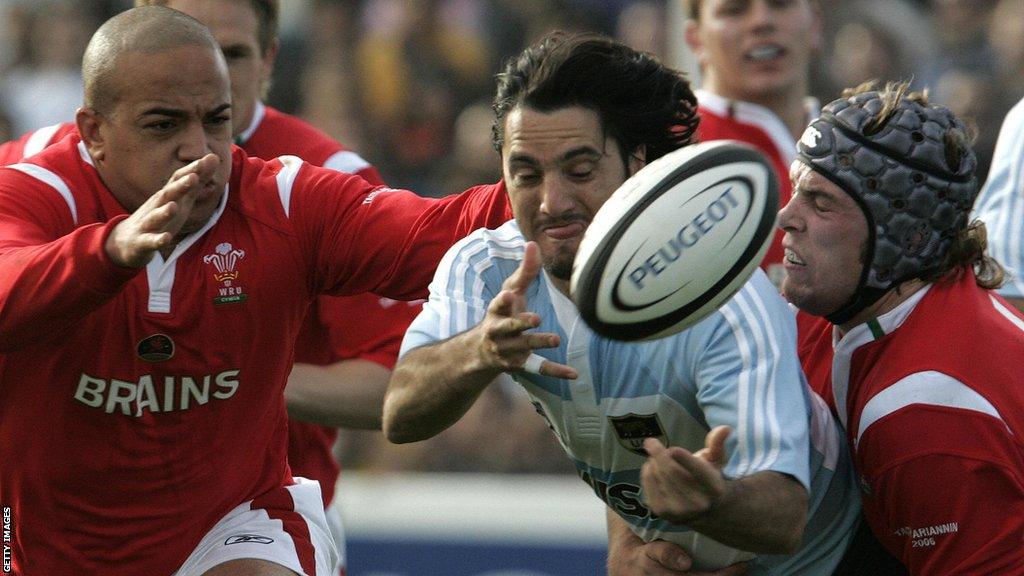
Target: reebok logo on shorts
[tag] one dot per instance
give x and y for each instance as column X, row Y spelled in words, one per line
column 246, row 538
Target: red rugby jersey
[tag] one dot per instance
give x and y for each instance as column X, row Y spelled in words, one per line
column 932, row 399
column 138, row 406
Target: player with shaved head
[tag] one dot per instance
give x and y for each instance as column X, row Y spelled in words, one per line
column 153, row 280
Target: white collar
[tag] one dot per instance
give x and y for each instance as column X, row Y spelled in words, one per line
column 257, row 116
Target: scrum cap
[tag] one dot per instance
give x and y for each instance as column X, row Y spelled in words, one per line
column 915, row 197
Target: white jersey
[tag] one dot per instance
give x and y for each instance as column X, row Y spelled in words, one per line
column 1001, row 202
column 738, row 367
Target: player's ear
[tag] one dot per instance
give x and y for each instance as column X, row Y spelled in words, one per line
column 89, row 121
column 637, row 160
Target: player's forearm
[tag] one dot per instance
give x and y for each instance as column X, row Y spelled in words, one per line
column 347, row 394
column 764, row 513
column 432, row 387
column 620, row 540
column 46, row 287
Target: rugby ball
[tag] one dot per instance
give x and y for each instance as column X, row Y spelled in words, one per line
column 675, row 241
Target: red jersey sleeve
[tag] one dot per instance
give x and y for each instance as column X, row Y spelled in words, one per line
column 381, row 240
column 368, row 327
column 954, row 504
column 51, row 273
column 371, row 175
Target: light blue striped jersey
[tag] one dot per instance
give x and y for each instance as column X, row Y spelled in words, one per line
column 1001, row 202
column 737, row 367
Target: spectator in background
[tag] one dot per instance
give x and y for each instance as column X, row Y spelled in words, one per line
column 754, row 58
column 969, row 95
column 417, row 68
column 45, row 86
column 960, row 27
column 878, row 39
column 1001, row 204
column 641, row 26
column 1006, row 40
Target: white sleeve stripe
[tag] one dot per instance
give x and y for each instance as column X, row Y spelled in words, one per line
column 766, row 365
column 52, row 180
column 755, row 401
column 932, row 388
column 39, row 139
column 743, row 390
column 451, row 276
column 346, row 161
column 286, row 179
column 1007, row 313
column 762, row 404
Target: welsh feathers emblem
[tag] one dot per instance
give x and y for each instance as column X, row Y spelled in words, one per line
column 224, row 259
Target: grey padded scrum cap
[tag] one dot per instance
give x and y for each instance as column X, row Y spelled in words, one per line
column 915, row 202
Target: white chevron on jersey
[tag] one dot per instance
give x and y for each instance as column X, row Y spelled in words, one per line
column 53, row 181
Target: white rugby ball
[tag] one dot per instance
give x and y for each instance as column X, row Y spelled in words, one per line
column 675, row 241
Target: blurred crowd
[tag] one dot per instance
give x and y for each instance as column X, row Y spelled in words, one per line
column 407, row 83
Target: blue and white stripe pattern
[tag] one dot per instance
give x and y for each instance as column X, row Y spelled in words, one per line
column 1001, row 202
column 737, row 367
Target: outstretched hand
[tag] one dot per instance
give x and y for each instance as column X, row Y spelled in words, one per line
column 504, row 341
column 155, row 224
column 679, row 485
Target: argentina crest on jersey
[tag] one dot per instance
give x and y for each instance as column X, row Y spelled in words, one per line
column 632, row 429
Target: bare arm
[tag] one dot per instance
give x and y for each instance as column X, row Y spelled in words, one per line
column 629, row 555
column 763, row 513
column 346, row 394
column 433, row 386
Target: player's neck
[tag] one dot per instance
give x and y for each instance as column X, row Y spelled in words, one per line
column 559, row 284
column 887, row 303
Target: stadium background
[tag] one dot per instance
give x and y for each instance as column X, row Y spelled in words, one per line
column 407, row 84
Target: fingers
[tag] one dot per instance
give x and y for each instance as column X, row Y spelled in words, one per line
column 668, row 555
column 537, row 364
column 714, row 446
column 677, row 484
column 527, row 271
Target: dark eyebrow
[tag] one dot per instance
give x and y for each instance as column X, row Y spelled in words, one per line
column 237, row 49
column 219, row 109
column 569, row 155
column 581, row 151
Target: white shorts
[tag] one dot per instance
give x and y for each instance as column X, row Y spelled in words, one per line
column 285, row 526
column 333, row 514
